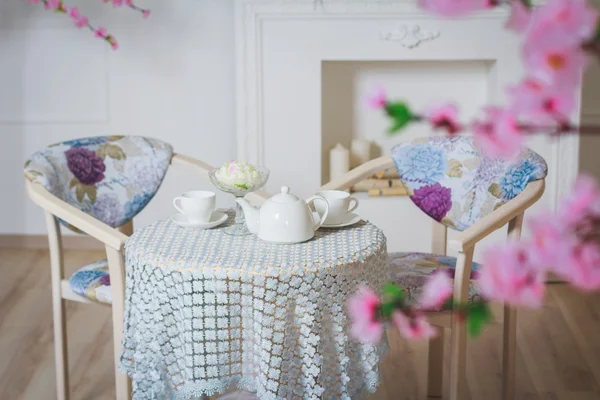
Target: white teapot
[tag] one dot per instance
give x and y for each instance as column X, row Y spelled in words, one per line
column 284, row 218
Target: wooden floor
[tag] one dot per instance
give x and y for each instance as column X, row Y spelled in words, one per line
column 558, row 347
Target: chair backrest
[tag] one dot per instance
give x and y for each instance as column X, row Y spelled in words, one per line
column 451, row 181
column 111, row 178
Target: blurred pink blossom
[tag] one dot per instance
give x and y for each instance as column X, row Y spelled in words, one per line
column 582, row 267
column 414, row 326
column 100, row 32
column 572, row 21
column 540, row 103
column 454, row 8
column 444, row 116
column 52, row 4
column 520, row 16
column 146, row 13
column 548, row 241
column 584, row 201
column 363, row 311
column 378, row 98
column 498, row 135
column 113, row 42
column 437, row 289
column 555, row 60
column 508, row 276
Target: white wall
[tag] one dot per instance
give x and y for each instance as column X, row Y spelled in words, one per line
column 171, row 79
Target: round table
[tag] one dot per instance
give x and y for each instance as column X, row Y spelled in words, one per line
column 206, row 311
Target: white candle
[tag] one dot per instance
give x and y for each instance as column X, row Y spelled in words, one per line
column 361, row 151
column 339, row 162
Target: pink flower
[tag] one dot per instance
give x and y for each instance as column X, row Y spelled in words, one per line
column 113, row 42
column 582, row 267
column 549, row 241
column 117, row 3
column 520, row 16
column 100, row 32
column 583, row 202
column 53, row 4
column 74, row 13
column 444, row 116
column 378, row 99
column 363, row 309
column 540, row 103
column 436, row 291
column 146, row 13
column 554, row 60
column 81, row 22
column 455, row 8
column 572, row 20
column 508, row 276
column 498, row 135
column 413, row 327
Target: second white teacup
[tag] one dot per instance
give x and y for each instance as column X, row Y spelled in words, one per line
column 339, row 206
column 197, row 205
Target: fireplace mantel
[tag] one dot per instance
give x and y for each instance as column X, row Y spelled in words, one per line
column 286, row 48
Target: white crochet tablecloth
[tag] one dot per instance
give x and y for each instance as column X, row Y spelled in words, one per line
column 206, row 311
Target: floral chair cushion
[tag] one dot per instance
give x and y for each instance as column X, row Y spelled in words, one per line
column 93, row 282
column 411, row 270
column 451, row 181
column 110, row 177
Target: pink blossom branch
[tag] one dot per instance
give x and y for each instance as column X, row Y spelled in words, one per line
column 129, row 3
column 81, row 21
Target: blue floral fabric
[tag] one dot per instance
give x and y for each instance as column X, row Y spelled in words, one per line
column 109, row 177
column 451, row 181
column 93, row 281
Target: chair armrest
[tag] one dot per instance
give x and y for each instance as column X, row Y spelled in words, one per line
column 202, row 169
column 498, row 218
column 359, row 173
column 86, row 223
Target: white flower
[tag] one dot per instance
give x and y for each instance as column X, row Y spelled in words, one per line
column 241, row 174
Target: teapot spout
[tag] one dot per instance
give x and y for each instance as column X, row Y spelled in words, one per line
column 251, row 214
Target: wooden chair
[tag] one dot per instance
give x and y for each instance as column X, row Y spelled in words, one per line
column 457, row 162
column 96, row 186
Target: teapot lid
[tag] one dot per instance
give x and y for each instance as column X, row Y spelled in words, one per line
column 285, row 196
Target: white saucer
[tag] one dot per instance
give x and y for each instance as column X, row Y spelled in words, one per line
column 351, row 219
column 216, row 219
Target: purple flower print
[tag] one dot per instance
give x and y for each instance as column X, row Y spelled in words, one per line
column 87, row 167
column 434, row 200
column 105, row 280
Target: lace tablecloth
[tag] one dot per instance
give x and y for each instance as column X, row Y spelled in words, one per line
column 206, row 311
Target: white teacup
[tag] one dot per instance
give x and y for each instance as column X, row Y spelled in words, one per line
column 339, row 206
column 197, row 205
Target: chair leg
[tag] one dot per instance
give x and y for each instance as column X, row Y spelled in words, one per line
column 509, row 353
column 458, row 349
column 458, row 360
column 116, row 267
column 510, row 328
column 435, row 369
column 61, row 358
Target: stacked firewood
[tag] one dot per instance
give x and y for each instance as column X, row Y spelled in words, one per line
column 383, row 183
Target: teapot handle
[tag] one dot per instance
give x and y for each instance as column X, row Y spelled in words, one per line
column 324, row 216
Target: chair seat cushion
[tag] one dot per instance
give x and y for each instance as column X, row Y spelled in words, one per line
column 93, row 281
column 411, row 270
